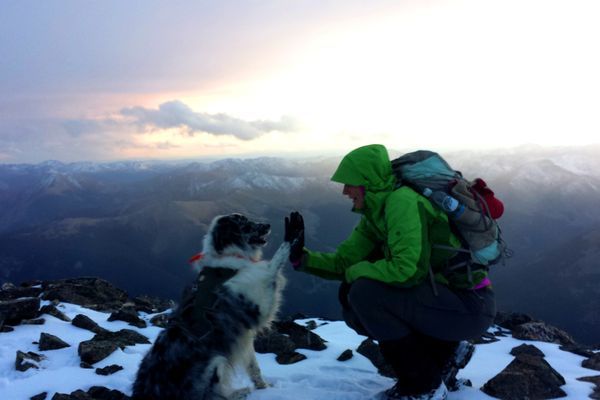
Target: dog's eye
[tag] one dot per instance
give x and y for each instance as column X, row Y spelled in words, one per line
column 246, row 229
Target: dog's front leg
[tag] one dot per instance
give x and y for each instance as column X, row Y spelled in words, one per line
column 281, row 256
column 254, row 372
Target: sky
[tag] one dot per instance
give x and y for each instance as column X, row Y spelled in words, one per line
column 116, row 80
column 317, row 377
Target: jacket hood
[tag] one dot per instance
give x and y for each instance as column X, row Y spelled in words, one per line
column 367, row 166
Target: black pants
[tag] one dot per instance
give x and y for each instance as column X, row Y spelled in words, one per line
column 416, row 329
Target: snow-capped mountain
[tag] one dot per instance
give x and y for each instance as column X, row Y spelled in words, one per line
column 60, row 220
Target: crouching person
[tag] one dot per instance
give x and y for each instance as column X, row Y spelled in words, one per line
column 388, row 291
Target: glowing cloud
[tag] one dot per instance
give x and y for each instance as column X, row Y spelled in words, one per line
column 176, row 114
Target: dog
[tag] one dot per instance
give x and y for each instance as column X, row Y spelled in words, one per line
column 211, row 333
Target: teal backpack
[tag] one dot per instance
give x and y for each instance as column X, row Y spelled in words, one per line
column 471, row 206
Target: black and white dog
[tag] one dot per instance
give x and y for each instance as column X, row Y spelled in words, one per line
column 212, row 331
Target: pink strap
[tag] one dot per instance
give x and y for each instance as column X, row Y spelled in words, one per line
column 484, row 283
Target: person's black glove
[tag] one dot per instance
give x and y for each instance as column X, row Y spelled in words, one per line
column 294, row 234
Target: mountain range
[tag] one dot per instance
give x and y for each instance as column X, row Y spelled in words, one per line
column 137, row 223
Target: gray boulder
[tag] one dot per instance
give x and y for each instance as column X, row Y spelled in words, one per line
column 51, row 342
column 542, row 332
column 527, row 349
column 85, row 322
column 128, row 315
column 105, row 343
column 526, row 377
column 24, row 361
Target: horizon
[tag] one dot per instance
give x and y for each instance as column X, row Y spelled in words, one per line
column 393, row 152
column 230, row 79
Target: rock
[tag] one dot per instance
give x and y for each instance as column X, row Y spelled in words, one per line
column 542, row 332
column 109, row 370
column 102, row 393
column 486, row 338
column 310, row 325
column 346, row 355
column 579, row 349
column 596, row 381
column 11, row 292
column 152, row 305
column 76, row 395
column 369, row 349
column 93, row 351
column 85, row 365
column 37, row 321
column 302, row 337
column 527, row 349
column 592, row 363
column 526, row 377
column 128, row 315
column 85, row 322
column 41, row 396
column 14, row 311
column 105, row 343
column 55, row 312
column 24, row 361
column 94, row 293
column 51, row 342
column 511, row 320
column 289, row 358
column 160, row 320
column 273, row 342
column 4, row 329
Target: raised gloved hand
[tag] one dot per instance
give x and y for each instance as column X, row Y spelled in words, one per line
column 294, row 234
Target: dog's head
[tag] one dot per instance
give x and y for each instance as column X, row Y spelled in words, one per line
column 235, row 234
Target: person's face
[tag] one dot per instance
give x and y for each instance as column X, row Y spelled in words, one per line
column 357, row 194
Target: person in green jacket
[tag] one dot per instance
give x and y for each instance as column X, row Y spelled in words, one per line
column 392, row 290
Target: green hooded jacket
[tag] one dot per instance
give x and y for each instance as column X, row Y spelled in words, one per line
column 398, row 224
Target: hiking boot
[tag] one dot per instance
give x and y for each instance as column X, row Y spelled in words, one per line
column 462, row 355
column 395, row 393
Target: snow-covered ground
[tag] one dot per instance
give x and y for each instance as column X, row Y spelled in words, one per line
column 320, row 376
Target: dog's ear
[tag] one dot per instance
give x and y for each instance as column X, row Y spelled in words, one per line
column 226, row 233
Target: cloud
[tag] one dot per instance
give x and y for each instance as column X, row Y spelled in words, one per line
column 176, row 114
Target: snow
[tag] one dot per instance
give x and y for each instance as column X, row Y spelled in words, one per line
column 320, row 376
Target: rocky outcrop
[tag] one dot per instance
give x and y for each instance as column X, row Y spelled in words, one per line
column 300, row 335
column 526, row 377
column 85, row 322
column 109, row 370
column 12, row 312
column 542, row 332
column 12, row 292
column 592, row 363
column 55, row 312
column 160, row 320
column 129, row 315
column 527, row 349
column 284, row 345
column 95, row 393
column 105, row 343
column 94, row 293
column 152, row 305
column 510, row 320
